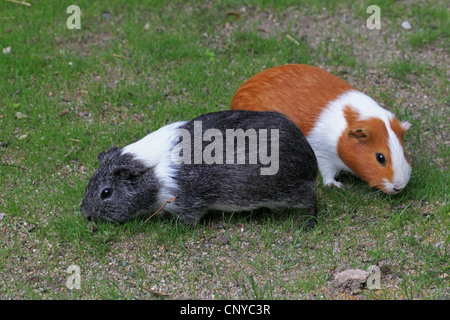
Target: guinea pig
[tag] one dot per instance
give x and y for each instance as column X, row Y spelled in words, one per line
column 232, row 160
column 346, row 128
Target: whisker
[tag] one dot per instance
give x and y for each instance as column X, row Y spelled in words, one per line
column 377, row 192
column 110, row 220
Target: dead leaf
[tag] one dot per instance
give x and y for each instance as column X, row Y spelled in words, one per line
column 233, row 13
column 223, row 239
column 20, row 115
column 156, row 293
column 64, row 112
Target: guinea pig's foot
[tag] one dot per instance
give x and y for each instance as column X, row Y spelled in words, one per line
column 310, row 223
column 190, row 218
column 333, row 183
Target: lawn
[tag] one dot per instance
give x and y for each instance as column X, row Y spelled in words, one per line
column 134, row 66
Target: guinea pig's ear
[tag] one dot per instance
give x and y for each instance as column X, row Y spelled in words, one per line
column 405, row 126
column 361, row 134
column 127, row 172
column 102, row 156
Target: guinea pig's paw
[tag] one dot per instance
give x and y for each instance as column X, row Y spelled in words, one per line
column 310, row 223
column 190, row 218
column 333, row 183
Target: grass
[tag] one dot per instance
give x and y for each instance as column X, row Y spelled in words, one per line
column 67, row 95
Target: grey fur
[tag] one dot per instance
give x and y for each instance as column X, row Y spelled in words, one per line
column 205, row 187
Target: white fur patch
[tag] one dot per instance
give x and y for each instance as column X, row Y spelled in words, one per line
column 154, row 151
column 324, row 137
column 400, row 166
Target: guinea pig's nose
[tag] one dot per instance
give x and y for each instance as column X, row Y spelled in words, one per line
column 397, row 190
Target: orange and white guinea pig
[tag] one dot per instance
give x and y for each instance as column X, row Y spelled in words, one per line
column 347, row 129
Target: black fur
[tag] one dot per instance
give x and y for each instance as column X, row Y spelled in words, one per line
column 133, row 186
column 241, row 185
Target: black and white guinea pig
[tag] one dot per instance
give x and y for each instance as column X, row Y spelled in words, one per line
column 231, row 160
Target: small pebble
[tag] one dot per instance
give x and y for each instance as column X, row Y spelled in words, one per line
column 20, row 115
column 222, row 239
column 406, row 25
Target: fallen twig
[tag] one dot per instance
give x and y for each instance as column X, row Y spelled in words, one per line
column 92, row 228
column 165, row 203
column 70, row 152
column 293, row 40
column 155, row 292
column 20, row 2
column 16, row 93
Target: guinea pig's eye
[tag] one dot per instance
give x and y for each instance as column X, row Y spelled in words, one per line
column 380, row 158
column 106, row 193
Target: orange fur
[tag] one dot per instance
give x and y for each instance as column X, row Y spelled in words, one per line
column 292, row 87
column 360, row 142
